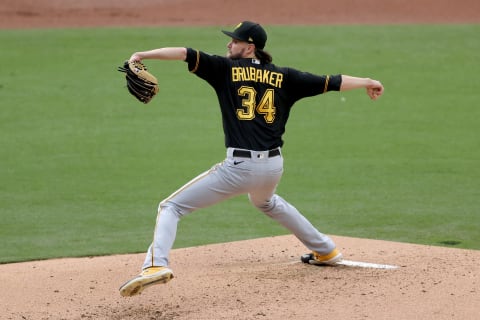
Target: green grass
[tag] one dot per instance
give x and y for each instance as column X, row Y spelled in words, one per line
column 83, row 165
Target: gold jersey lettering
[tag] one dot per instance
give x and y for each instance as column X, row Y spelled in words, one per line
column 272, row 78
column 253, row 73
column 258, row 75
column 242, row 74
column 271, row 81
column 235, row 74
column 278, row 83
column 266, row 76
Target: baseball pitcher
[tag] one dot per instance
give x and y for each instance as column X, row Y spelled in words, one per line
column 255, row 98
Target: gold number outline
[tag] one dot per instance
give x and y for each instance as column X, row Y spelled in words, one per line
column 247, row 112
column 266, row 106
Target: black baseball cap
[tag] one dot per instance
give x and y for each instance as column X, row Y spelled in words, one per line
column 250, row 32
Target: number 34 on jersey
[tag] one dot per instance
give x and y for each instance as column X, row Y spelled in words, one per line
column 265, row 107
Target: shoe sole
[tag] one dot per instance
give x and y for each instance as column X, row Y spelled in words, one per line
column 138, row 284
column 308, row 258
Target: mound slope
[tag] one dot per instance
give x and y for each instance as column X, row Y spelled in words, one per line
column 253, row 279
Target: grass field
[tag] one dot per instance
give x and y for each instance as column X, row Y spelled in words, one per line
column 83, row 165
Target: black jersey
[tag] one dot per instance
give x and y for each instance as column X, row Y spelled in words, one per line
column 255, row 99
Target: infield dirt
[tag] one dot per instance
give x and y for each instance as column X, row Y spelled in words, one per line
column 260, row 278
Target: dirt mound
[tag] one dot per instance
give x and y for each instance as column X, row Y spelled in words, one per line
column 253, row 279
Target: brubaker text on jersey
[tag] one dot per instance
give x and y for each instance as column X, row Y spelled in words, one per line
column 258, row 75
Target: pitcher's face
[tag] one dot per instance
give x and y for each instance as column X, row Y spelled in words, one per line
column 239, row 49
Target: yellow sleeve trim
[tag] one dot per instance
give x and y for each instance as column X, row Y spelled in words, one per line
column 196, row 63
column 326, row 84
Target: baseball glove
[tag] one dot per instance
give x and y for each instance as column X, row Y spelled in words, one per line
column 140, row 83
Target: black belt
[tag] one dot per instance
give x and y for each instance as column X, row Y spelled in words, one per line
column 247, row 154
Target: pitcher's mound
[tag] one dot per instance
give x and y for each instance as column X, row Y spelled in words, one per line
column 254, row 279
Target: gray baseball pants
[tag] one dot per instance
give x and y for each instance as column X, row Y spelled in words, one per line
column 257, row 176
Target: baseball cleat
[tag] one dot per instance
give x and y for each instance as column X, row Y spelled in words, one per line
column 148, row 277
column 330, row 259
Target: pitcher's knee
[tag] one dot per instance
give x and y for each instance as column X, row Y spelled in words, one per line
column 266, row 206
column 173, row 208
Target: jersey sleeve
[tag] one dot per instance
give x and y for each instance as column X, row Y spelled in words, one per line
column 205, row 66
column 306, row 84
